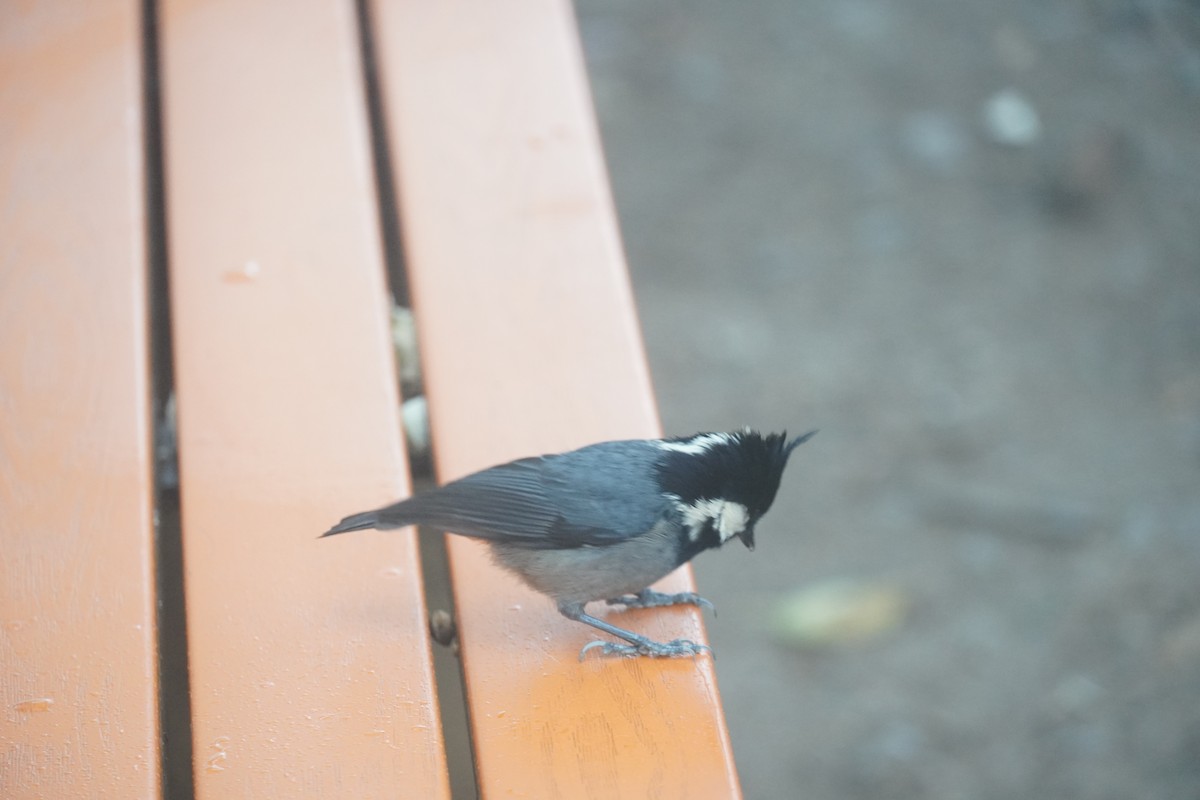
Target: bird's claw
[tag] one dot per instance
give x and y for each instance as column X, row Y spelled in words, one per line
column 649, row 599
column 678, row 648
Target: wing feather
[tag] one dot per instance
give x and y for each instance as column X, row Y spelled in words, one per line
column 519, row 503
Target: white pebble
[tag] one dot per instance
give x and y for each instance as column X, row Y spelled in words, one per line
column 1011, row 119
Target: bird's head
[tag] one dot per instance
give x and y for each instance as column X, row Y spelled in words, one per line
column 723, row 483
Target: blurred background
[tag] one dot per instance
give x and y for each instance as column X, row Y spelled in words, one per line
column 962, row 238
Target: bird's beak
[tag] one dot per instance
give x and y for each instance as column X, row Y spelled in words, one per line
column 747, row 537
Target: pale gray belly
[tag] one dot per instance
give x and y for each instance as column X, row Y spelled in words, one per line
column 583, row 574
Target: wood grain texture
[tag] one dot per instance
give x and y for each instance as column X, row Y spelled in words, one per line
column 310, row 659
column 531, row 345
column 78, row 680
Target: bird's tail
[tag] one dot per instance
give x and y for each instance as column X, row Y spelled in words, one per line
column 381, row 518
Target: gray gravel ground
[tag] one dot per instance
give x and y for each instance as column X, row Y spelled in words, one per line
column 995, row 325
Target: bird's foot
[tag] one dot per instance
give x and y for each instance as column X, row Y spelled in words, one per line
column 679, row 648
column 647, row 598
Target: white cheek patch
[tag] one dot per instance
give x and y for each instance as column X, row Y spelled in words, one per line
column 732, row 521
column 728, row 518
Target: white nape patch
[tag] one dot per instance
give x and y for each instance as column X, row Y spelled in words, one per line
column 698, row 444
column 729, row 518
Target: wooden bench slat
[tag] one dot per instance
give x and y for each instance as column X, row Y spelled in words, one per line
column 310, row 663
column 78, row 676
column 531, row 345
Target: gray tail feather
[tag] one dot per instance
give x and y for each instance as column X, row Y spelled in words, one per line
column 354, row 522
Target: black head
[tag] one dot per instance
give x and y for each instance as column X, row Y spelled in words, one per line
column 724, row 482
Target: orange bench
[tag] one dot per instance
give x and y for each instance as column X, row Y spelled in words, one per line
column 309, row 665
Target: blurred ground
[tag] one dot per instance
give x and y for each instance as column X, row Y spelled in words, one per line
column 999, row 342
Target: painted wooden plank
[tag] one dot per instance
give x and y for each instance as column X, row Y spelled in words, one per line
column 78, row 675
column 531, row 345
column 310, row 664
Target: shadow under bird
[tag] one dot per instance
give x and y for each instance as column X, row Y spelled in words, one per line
column 606, row 521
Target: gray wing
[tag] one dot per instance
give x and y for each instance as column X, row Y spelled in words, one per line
column 588, row 497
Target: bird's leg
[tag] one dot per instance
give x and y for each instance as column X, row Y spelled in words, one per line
column 648, row 598
column 638, row 645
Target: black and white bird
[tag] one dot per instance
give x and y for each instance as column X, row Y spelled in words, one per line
column 606, row 521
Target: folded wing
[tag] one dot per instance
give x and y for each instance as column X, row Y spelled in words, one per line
column 527, row 503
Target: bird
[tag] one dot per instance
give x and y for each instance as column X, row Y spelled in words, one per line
column 605, row 521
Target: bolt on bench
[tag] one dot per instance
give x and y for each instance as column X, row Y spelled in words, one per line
column 309, row 666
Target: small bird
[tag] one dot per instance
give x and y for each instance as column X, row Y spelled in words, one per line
column 605, row 521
